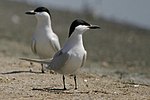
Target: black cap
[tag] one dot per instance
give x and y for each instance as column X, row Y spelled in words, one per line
column 76, row 23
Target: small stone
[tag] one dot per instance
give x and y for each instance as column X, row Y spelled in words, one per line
column 85, row 80
column 136, row 86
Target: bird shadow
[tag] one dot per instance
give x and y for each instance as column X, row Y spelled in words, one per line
column 16, row 72
column 60, row 91
column 54, row 90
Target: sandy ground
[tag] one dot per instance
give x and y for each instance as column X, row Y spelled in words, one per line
column 17, row 83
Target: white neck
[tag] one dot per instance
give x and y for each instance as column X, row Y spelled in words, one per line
column 74, row 40
column 44, row 23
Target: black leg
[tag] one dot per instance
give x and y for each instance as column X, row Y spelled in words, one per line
column 64, row 82
column 75, row 82
column 42, row 68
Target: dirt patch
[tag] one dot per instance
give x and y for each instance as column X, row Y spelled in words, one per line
column 18, row 83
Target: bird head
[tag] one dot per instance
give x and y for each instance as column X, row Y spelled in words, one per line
column 40, row 13
column 81, row 26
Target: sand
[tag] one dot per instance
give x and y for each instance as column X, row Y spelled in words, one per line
column 18, row 83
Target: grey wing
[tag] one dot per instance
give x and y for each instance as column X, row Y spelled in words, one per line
column 33, row 46
column 55, row 44
column 59, row 60
column 84, row 59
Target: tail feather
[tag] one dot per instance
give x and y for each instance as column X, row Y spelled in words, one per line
column 42, row 61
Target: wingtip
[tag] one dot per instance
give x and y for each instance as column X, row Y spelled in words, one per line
column 43, row 61
column 21, row 58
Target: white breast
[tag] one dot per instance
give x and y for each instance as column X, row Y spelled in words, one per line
column 74, row 62
column 43, row 47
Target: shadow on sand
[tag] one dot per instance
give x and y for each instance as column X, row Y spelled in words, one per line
column 15, row 72
column 60, row 91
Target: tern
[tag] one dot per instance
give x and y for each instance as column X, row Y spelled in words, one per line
column 45, row 43
column 72, row 55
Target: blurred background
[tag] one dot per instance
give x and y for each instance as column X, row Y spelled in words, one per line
column 121, row 47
